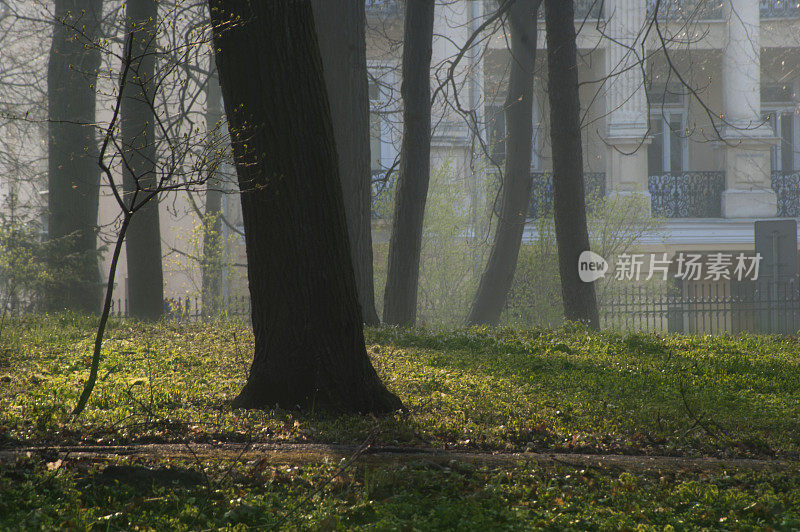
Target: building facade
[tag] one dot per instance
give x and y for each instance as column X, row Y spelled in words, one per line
column 694, row 108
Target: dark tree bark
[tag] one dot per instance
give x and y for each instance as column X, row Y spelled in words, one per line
column 73, row 174
column 309, row 341
column 137, row 126
column 211, row 268
column 400, row 296
column 342, row 42
column 569, row 202
column 516, row 188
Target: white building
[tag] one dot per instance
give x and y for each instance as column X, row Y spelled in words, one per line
column 647, row 106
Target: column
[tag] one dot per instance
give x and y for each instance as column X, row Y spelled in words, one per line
column 748, row 192
column 626, row 103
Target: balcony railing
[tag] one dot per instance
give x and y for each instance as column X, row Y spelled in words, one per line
column 787, row 187
column 584, row 9
column 779, row 8
column 542, row 191
column 684, row 195
column 685, row 10
column 687, row 195
column 384, row 8
column 668, row 9
column 587, row 9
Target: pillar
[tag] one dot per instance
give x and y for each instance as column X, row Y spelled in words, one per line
column 626, row 103
column 748, row 191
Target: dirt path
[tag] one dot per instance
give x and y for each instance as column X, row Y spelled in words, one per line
column 313, row 452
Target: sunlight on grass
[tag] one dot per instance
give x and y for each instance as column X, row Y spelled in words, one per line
column 568, row 389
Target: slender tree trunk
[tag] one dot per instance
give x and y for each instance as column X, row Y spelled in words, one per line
column 88, row 386
column 143, row 246
column 341, row 34
column 569, row 201
column 212, row 223
column 400, row 296
column 309, row 341
column 499, row 273
column 73, row 175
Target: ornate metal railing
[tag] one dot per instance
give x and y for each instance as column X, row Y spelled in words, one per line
column 712, row 9
column 542, row 191
column 687, row 195
column 384, row 7
column 686, row 10
column 787, row 187
column 588, row 9
column 584, row 9
column 779, row 8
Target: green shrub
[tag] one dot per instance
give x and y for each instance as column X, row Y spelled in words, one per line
column 616, row 226
column 454, row 248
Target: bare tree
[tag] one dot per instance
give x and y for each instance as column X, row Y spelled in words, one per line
column 307, row 323
column 400, row 296
column 569, row 201
column 186, row 169
column 516, row 187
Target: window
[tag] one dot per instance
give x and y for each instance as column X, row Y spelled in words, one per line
column 384, row 137
column 374, row 128
column 783, row 123
column 497, row 133
column 668, row 151
column 381, row 108
column 778, row 109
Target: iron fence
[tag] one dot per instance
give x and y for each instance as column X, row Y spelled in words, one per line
column 759, row 307
column 190, row 308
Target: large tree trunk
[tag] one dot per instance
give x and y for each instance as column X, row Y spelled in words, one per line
column 211, row 266
column 342, row 41
column 73, row 174
column 309, row 349
column 400, row 296
column 569, row 201
column 143, row 246
column 499, row 273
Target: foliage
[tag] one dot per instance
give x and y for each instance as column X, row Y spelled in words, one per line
column 456, row 241
column 616, row 225
column 191, row 255
column 30, row 268
column 23, row 268
column 173, row 495
column 567, row 390
column 453, row 249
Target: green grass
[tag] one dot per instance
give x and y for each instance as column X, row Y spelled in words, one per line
column 567, row 390
column 490, row 390
column 411, row 497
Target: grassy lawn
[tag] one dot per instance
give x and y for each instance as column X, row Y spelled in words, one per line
column 477, row 390
column 412, row 496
